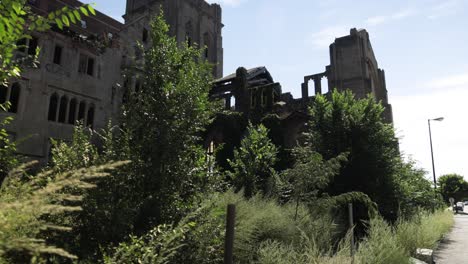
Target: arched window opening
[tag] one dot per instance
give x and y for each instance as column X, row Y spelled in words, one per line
column 53, row 107
column 14, row 98
column 3, row 93
column 207, row 43
column 63, row 109
column 90, row 117
column 188, row 33
column 72, row 112
column 81, row 111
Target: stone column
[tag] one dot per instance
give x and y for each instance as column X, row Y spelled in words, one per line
column 305, row 90
column 318, row 84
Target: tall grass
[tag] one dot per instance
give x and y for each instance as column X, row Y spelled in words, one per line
column 268, row 233
column 424, row 230
column 384, row 244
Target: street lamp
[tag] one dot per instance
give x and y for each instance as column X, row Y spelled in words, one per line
column 432, row 153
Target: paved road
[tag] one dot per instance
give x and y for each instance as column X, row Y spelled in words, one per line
column 454, row 248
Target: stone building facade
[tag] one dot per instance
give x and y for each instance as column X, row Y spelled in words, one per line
column 194, row 21
column 79, row 76
column 259, row 99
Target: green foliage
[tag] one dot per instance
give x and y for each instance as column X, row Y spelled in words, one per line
column 258, row 220
column 17, row 22
column 423, row 230
column 159, row 246
column 415, row 191
column 8, row 159
column 164, row 121
column 343, row 124
column 453, row 185
column 28, row 203
column 109, row 210
column 79, row 153
column 252, row 167
column 381, row 246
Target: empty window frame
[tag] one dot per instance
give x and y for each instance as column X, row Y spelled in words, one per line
column 11, row 94
column 207, row 43
column 14, row 98
column 72, row 111
column 81, row 111
column 86, row 65
column 58, row 55
column 63, row 109
column 28, row 45
column 53, row 104
column 90, row 117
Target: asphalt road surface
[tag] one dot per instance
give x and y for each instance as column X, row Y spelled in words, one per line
column 454, row 247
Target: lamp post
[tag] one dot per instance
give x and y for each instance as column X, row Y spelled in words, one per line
column 432, row 153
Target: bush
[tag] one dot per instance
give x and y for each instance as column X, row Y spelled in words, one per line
column 258, row 220
column 27, row 205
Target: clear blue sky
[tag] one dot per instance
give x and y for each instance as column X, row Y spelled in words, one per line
column 421, row 44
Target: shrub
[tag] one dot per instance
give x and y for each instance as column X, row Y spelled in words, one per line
column 27, row 204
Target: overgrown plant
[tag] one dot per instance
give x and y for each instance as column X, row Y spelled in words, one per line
column 164, row 120
column 8, row 158
column 28, row 203
column 343, row 124
column 18, row 22
column 252, row 166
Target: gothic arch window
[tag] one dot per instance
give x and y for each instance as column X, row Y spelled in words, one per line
column 81, row 111
column 72, row 112
column 208, row 46
column 90, row 116
column 53, row 103
column 63, row 109
column 189, row 33
column 14, row 98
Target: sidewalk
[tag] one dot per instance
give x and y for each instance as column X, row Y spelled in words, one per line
column 453, row 249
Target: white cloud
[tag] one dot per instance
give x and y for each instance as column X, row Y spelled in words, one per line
column 443, row 9
column 232, row 3
column 450, row 81
column 401, row 14
column 376, row 20
column 327, row 35
column 449, row 136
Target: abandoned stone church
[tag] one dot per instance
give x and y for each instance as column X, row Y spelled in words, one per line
column 79, row 76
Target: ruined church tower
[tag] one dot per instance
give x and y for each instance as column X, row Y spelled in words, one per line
column 195, row 21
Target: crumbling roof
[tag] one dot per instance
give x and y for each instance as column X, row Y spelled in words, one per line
column 251, row 74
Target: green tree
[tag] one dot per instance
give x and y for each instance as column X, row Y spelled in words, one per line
column 17, row 22
column 452, row 185
column 415, row 191
column 252, row 166
column 343, row 124
column 164, row 121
